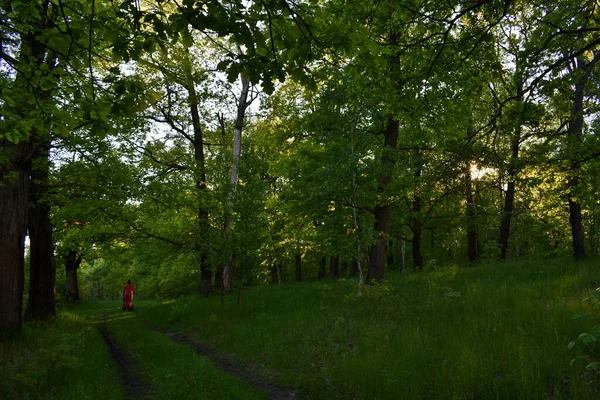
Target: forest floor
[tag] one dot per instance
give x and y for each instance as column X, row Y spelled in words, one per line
column 490, row 332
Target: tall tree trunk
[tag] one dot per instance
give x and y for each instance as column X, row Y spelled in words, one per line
column 575, row 130
column 575, row 220
column 471, row 209
column 71, row 266
column 14, row 186
column 353, row 271
column 298, row 258
column 403, row 255
column 219, row 278
column 382, row 208
column 471, row 217
column 417, row 256
column 417, row 222
column 237, row 150
column 206, row 285
column 275, row 275
column 15, row 169
column 513, row 169
column 322, row 267
column 506, row 218
column 41, row 303
column 334, row 267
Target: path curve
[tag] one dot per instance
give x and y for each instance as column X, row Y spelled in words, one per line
column 226, row 364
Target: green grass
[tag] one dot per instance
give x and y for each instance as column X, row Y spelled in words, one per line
column 69, row 360
column 173, row 369
column 490, row 332
column 65, row 360
column 496, row 331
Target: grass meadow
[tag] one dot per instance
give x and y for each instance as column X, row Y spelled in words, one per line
column 495, row 331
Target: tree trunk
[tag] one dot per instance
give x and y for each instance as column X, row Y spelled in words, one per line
column 334, row 267
column 14, row 186
column 219, row 278
column 298, row 267
column 575, row 130
column 353, row 271
column 15, row 169
column 403, row 255
column 237, row 150
column 417, row 223
column 506, row 218
column 322, row 267
column 417, row 256
column 275, row 274
column 576, row 222
column 206, row 285
column 470, row 214
column 471, row 223
column 41, row 303
column 71, row 266
column 382, row 208
column 513, row 169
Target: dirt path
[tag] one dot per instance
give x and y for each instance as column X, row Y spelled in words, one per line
column 136, row 387
column 233, row 367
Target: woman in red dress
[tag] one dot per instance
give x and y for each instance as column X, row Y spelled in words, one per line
column 128, row 292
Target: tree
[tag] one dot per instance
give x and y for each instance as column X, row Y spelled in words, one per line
column 27, row 103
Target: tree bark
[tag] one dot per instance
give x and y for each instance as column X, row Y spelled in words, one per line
column 513, row 169
column 471, row 209
column 71, row 266
column 382, row 208
column 575, row 130
column 403, row 255
column 275, row 274
column 417, row 222
column 219, row 278
column 334, row 267
column 353, row 270
column 417, row 256
column 471, row 215
column 575, row 220
column 14, row 187
column 237, row 150
column 506, row 218
column 322, row 267
column 298, row 258
column 15, row 170
column 206, row 285
column 41, row 303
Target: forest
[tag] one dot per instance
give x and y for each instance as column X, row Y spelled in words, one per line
column 266, row 172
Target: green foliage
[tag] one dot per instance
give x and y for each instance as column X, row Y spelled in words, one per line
column 590, row 341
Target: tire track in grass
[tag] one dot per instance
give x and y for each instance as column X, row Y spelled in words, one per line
column 232, row 367
column 136, row 387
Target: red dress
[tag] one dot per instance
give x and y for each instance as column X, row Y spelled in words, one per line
column 128, row 295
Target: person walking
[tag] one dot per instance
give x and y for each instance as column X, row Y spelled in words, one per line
column 128, row 292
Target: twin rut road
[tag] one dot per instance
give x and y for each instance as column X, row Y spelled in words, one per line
column 138, row 388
